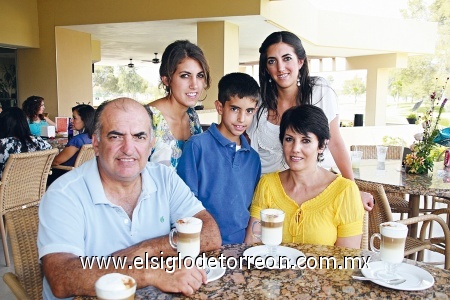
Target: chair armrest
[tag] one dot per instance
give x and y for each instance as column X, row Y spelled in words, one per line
column 14, row 284
column 66, row 168
column 426, row 219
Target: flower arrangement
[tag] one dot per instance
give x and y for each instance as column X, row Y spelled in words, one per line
column 420, row 161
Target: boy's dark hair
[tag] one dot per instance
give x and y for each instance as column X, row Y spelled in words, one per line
column 303, row 119
column 238, row 84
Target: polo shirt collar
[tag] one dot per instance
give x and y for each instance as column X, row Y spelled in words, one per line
column 214, row 131
column 95, row 186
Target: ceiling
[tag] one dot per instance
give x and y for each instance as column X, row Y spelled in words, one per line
column 341, row 30
column 140, row 40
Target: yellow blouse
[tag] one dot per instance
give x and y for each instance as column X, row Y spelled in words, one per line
column 336, row 212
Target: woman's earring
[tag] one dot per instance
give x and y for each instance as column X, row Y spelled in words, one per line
column 298, row 79
column 320, row 157
column 270, row 80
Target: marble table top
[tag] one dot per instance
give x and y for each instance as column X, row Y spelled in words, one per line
column 304, row 284
column 394, row 179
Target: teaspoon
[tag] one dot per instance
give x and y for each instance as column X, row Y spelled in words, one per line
column 395, row 281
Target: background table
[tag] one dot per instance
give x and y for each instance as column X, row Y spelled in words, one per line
column 394, row 179
column 303, row 284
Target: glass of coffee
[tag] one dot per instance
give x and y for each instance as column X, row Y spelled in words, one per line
column 115, row 286
column 271, row 229
column 392, row 247
column 187, row 231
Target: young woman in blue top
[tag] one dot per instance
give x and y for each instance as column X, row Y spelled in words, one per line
column 184, row 74
column 34, row 110
column 83, row 121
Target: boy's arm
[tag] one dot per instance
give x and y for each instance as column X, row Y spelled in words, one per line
column 187, row 167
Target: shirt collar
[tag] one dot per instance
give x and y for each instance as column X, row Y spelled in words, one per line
column 95, row 186
column 214, row 131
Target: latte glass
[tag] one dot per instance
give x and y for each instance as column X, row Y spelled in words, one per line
column 115, row 286
column 392, row 247
column 381, row 153
column 187, row 231
column 355, row 157
column 271, row 229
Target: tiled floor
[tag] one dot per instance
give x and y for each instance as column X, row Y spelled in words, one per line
column 6, row 294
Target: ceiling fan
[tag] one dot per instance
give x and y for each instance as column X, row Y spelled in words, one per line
column 155, row 60
column 131, row 65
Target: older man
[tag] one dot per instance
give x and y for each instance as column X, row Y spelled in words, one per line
column 117, row 205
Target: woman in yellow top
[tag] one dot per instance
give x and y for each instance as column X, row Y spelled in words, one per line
column 320, row 207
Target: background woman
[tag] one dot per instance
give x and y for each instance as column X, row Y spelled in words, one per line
column 320, row 207
column 15, row 136
column 285, row 82
column 34, row 110
column 184, row 74
column 83, row 121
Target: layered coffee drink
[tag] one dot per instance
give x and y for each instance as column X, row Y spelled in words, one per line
column 188, row 236
column 115, row 286
column 393, row 237
column 272, row 226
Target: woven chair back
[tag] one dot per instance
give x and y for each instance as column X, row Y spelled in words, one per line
column 381, row 211
column 86, row 153
column 370, row 151
column 24, row 178
column 22, row 227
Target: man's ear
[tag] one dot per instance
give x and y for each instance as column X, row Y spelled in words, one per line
column 219, row 107
column 95, row 143
column 152, row 142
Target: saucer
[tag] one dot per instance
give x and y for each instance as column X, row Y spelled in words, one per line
column 215, row 273
column 261, row 251
column 416, row 278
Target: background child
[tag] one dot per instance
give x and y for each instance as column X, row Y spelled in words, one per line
column 219, row 165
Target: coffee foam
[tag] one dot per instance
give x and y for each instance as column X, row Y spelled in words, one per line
column 115, row 286
column 272, row 215
column 393, row 230
column 189, row 225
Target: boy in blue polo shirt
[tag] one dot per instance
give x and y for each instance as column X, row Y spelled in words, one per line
column 219, row 165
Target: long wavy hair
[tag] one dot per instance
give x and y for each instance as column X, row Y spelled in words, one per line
column 13, row 123
column 31, row 107
column 175, row 53
column 269, row 92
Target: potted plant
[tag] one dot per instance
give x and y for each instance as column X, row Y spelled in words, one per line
column 412, row 118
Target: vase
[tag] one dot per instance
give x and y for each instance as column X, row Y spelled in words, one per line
column 411, row 120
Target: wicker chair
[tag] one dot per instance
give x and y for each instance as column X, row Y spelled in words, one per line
column 397, row 200
column 381, row 213
column 26, row 282
column 23, row 183
column 86, row 153
column 365, row 235
column 370, row 151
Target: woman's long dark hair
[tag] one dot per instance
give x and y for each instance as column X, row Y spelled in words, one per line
column 269, row 91
column 31, row 107
column 86, row 113
column 13, row 123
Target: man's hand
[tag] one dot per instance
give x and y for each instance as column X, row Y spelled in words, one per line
column 184, row 280
column 367, row 200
